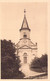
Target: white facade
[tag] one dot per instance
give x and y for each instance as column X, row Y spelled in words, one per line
column 27, row 55
column 26, row 50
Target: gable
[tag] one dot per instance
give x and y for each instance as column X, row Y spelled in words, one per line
column 28, row 45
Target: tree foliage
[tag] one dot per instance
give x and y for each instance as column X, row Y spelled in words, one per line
column 7, row 48
column 39, row 62
column 10, row 63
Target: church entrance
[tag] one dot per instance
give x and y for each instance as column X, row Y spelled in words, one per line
column 25, row 57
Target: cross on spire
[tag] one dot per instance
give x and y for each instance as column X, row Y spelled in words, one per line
column 24, row 10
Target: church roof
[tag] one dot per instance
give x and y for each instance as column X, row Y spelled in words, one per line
column 24, row 23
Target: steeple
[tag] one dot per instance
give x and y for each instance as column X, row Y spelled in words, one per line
column 24, row 31
column 24, row 23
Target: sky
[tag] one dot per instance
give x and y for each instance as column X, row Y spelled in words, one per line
column 12, row 15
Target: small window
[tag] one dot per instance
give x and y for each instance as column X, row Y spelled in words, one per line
column 25, row 36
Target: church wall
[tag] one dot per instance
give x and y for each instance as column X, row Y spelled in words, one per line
column 30, row 55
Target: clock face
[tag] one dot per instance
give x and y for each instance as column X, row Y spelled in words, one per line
column 25, row 41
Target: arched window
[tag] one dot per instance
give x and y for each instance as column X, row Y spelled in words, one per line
column 25, row 54
column 24, row 35
column 25, row 57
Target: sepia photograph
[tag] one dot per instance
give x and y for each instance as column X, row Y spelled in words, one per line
column 24, row 40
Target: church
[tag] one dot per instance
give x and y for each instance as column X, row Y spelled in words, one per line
column 26, row 49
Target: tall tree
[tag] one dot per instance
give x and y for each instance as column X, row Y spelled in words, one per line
column 10, row 63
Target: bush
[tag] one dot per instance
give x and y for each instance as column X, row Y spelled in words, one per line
column 38, row 63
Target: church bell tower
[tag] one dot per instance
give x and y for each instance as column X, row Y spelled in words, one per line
column 24, row 31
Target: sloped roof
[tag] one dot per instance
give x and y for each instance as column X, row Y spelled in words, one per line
column 24, row 24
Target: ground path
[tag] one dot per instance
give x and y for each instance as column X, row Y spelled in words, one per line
column 28, row 72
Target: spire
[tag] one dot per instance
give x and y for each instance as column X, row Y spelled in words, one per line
column 24, row 23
